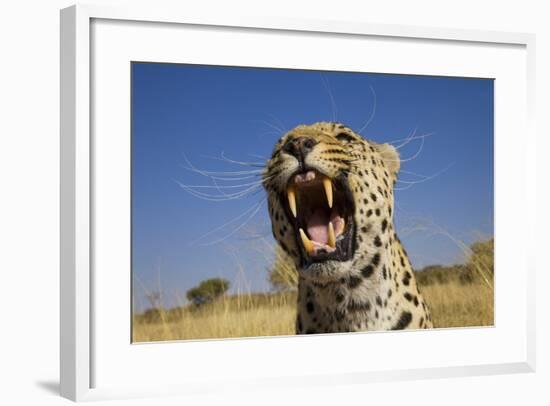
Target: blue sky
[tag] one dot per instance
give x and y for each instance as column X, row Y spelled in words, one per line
column 190, row 114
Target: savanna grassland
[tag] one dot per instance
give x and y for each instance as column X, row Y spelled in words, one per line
column 458, row 296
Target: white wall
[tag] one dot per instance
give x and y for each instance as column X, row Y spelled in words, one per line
column 29, row 188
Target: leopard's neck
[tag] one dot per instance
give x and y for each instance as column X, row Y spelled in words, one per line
column 379, row 292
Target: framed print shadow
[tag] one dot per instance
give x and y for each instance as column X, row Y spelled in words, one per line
column 260, row 207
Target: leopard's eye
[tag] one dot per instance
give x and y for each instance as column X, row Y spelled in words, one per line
column 345, row 137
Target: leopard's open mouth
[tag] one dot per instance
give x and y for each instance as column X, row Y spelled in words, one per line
column 321, row 211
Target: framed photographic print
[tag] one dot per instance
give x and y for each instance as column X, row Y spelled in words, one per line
column 262, row 192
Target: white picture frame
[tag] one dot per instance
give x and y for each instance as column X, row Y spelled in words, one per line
column 79, row 349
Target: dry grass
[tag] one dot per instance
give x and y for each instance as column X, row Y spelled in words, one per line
column 457, row 305
column 248, row 315
column 458, row 296
column 452, row 305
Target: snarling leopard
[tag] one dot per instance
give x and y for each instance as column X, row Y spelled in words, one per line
column 331, row 203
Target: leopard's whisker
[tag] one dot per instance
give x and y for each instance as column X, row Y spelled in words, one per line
column 404, row 141
column 243, row 163
column 373, row 112
column 412, row 137
column 223, row 196
column 256, row 183
column 251, row 208
column 243, row 224
column 283, row 126
column 420, row 148
column 214, row 181
column 326, row 84
column 214, row 178
column 402, row 188
column 217, row 197
column 226, row 179
column 224, row 173
column 425, row 178
column 258, row 156
column 416, row 154
column 193, row 168
column 414, row 174
column 271, row 125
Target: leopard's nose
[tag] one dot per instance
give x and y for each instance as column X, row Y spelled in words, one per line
column 299, row 147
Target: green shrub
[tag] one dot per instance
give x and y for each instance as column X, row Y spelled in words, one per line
column 480, row 266
column 207, row 291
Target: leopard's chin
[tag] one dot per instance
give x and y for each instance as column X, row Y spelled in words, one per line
column 325, row 272
column 321, row 211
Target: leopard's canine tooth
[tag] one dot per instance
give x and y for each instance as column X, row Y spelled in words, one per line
column 331, row 236
column 308, row 245
column 291, row 194
column 327, row 183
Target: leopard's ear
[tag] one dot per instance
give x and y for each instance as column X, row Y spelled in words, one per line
column 390, row 156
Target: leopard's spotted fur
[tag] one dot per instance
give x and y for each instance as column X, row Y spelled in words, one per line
column 375, row 289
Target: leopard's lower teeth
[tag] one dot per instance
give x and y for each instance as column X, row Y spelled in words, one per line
column 331, row 236
column 308, row 245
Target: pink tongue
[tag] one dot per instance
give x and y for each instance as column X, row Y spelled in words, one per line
column 317, row 226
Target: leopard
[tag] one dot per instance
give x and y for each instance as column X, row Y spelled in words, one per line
column 330, row 195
